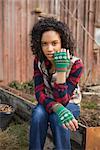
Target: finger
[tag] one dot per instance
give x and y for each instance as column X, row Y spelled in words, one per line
column 75, row 122
column 63, row 50
column 64, row 126
column 68, row 126
column 72, row 126
column 68, row 54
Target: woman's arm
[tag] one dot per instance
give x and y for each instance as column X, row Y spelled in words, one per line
column 41, row 97
column 63, row 91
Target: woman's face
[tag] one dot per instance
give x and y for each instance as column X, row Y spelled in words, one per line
column 50, row 42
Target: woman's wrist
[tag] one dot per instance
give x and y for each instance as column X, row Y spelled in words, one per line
column 55, row 107
column 61, row 77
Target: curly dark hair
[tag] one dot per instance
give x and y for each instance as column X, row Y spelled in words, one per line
column 47, row 24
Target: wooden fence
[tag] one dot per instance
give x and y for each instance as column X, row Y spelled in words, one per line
column 16, row 20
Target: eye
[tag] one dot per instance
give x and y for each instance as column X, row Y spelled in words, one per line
column 44, row 44
column 54, row 43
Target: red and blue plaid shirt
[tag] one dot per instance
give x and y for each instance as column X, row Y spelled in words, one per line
column 61, row 93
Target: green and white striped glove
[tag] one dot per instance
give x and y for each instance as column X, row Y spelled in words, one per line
column 65, row 116
column 61, row 61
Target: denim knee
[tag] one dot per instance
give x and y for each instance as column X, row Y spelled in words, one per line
column 74, row 108
column 39, row 114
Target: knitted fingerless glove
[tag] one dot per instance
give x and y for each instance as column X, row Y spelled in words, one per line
column 61, row 61
column 63, row 113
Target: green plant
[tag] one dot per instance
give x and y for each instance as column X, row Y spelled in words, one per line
column 27, row 87
column 89, row 105
column 16, row 85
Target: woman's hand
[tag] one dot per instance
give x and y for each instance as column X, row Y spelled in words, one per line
column 62, row 60
column 72, row 125
column 66, row 118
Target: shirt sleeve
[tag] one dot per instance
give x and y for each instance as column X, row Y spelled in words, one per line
column 63, row 92
column 39, row 87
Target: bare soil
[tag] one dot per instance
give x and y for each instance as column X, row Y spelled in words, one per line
column 16, row 137
column 90, row 111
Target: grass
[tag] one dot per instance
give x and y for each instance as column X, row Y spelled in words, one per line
column 15, row 137
column 89, row 105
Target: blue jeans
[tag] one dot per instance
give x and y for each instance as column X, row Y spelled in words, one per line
column 39, row 127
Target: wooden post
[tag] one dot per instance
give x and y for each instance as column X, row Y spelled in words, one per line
column 93, row 138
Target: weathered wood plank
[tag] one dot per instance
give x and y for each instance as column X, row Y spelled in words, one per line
column 86, row 70
column 23, row 40
column 22, row 106
column 18, row 40
column 5, row 39
column 80, row 136
column 1, row 41
column 93, row 138
column 90, row 41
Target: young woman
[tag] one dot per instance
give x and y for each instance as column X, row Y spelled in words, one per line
column 56, row 76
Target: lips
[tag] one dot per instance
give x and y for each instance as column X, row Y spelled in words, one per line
column 49, row 56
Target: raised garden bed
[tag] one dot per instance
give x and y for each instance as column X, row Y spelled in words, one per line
column 90, row 120
column 23, row 103
column 6, row 114
column 87, row 136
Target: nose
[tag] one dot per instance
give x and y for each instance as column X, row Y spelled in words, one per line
column 50, row 48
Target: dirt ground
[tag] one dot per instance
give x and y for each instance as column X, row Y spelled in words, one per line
column 90, row 107
column 15, row 137
column 90, row 118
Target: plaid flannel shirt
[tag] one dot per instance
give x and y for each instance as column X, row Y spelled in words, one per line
column 62, row 93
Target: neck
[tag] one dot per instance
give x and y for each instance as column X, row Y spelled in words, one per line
column 52, row 70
